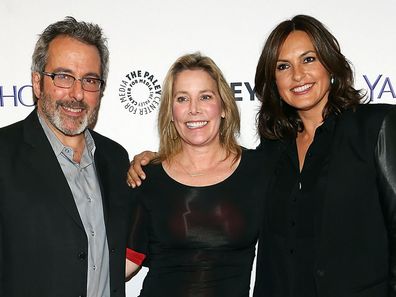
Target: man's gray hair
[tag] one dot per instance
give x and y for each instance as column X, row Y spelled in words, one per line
column 88, row 33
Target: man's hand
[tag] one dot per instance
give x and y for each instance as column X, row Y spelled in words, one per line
column 135, row 173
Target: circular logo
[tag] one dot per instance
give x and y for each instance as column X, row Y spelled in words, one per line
column 139, row 92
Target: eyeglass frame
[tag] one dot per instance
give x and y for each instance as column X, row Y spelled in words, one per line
column 52, row 75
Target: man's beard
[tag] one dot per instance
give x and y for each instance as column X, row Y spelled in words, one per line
column 66, row 124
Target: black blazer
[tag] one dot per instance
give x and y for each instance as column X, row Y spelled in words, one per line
column 355, row 248
column 43, row 245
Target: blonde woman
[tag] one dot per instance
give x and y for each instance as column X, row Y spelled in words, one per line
column 197, row 221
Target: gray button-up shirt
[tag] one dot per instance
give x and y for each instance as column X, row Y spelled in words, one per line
column 84, row 185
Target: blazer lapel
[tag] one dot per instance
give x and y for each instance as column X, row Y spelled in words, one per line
column 102, row 171
column 42, row 158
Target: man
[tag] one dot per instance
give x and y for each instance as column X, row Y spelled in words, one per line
column 63, row 198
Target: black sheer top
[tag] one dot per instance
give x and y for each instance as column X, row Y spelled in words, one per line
column 199, row 241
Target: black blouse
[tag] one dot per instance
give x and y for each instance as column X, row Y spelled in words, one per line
column 199, row 241
column 330, row 230
column 292, row 206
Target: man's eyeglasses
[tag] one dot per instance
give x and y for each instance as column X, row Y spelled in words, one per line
column 66, row 81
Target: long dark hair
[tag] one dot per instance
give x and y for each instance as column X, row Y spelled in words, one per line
column 278, row 120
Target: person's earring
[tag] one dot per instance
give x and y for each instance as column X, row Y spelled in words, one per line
column 332, row 79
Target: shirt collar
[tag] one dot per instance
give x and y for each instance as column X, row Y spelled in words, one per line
column 329, row 123
column 328, row 126
column 58, row 146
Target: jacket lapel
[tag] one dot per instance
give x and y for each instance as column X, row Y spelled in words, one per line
column 102, row 171
column 42, row 158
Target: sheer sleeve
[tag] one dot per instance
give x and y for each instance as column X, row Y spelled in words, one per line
column 138, row 236
column 386, row 162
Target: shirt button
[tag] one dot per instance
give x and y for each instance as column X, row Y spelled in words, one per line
column 94, row 267
column 320, row 272
column 92, row 232
column 89, row 199
column 299, row 186
column 82, row 255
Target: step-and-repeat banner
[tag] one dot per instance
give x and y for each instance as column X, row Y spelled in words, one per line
column 146, row 37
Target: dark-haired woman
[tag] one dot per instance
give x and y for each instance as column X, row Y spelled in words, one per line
column 330, row 218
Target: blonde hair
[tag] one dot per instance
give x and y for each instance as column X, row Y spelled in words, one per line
column 170, row 142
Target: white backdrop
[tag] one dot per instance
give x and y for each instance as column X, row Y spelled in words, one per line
column 149, row 35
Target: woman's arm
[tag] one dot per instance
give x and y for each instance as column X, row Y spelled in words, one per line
column 131, row 269
column 386, row 162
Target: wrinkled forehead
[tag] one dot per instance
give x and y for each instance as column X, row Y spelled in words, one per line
column 73, row 56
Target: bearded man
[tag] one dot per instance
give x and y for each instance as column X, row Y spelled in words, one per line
column 63, row 198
